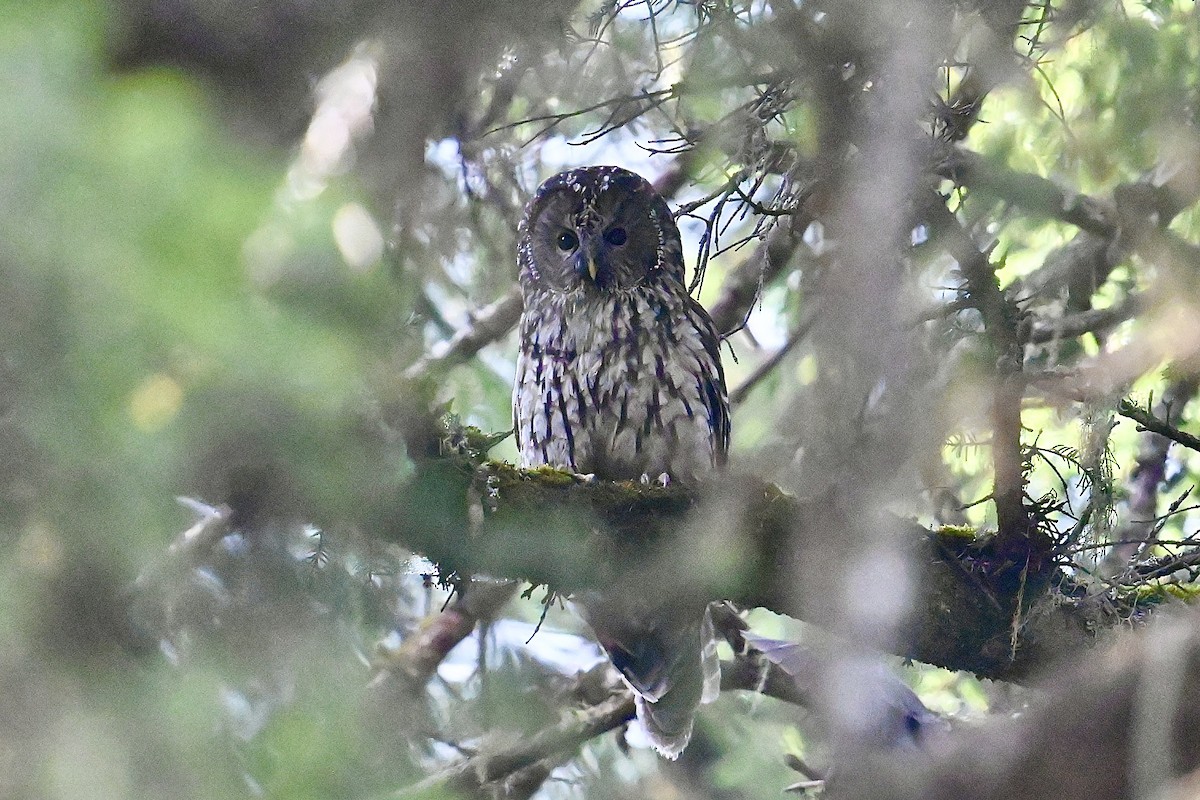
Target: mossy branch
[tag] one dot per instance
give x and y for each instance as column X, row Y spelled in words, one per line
column 737, row 538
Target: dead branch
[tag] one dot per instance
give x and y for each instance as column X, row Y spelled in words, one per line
column 1147, row 421
column 741, row 288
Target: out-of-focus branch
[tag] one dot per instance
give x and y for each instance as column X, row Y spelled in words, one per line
column 1122, row 723
column 1095, row 320
column 578, row 727
column 1136, row 218
column 415, row 661
column 790, row 671
column 489, row 324
column 528, row 763
column 738, row 394
column 1031, row 192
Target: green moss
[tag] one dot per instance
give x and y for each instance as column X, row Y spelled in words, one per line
column 504, row 475
column 1163, row 589
column 966, row 532
column 552, row 476
column 479, row 442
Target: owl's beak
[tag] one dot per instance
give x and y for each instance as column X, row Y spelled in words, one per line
column 587, row 260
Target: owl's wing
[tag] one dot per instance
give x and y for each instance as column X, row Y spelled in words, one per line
column 712, row 378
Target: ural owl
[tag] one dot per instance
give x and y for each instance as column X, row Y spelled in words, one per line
column 619, row 375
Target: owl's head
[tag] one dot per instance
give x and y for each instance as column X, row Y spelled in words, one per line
column 597, row 230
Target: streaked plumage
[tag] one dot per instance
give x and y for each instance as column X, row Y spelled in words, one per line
column 619, row 375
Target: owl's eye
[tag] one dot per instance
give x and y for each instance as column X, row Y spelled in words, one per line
column 616, row 236
column 567, row 241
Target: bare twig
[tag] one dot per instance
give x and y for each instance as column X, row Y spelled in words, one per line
column 1149, row 422
column 767, row 367
column 741, row 288
column 1148, row 474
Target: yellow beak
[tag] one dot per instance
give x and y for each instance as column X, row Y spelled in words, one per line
column 592, row 268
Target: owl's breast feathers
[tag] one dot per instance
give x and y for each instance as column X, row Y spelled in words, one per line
column 620, row 384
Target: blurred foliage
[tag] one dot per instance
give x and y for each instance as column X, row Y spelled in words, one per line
column 190, row 309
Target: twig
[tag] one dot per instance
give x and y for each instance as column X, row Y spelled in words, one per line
column 1146, row 479
column 1149, row 422
column 741, row 288
column 767, row 367
column 570, row 733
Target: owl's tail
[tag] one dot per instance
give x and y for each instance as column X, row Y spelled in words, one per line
column 696, row 679
column 670, row 663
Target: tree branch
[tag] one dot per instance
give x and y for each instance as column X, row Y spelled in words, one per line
column 1094, row 320
column 1031, row 192
column 1149, row 422
column 532, row 760
column 741, row 288
column 738, row 394
column 1029, row 548
column 576, row 728
column 549, row 527
column 1124, row 723
column 422, row 652
column 491, row 323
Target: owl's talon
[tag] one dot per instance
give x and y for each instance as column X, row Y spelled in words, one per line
column 663, row 480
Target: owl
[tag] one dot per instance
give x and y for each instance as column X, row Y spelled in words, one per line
column 619, row 375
